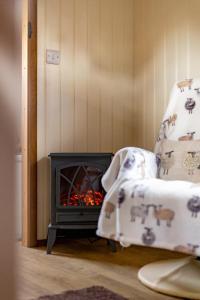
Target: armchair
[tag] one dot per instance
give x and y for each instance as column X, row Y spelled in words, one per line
column 153, row 199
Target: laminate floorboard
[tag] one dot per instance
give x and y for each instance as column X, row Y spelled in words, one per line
column 76, row 264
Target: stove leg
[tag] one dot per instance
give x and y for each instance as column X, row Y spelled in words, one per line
column 51, row 239
column 112, row 245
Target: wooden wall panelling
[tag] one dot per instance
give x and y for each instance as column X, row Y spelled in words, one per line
column 139, row 74
column 29, row 115
column 129, row 126
column 42, row 166
column 53, row 101
column 81, row 75
column 182, row 14
column 93, row 85
column 149, row 70
column 159, row 31
column 106, row 75
column 141, row 83
column 119, row 76
column 194, row 41
column 67, row 83
column 119, row 60
column 53, row 96
column 135, row 63
column 32, row 126
column 170, row 66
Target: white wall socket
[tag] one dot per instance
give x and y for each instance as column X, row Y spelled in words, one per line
column 53, row 57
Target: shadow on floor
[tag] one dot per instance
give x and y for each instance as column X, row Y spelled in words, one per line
column 98, row 250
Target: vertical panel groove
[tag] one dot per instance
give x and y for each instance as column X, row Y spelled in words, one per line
column 100, row 53
column 112, row 70
column 74, row 81
column 60, row 74
column 87, row 76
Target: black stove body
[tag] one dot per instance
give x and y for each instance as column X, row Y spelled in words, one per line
column 76, row 191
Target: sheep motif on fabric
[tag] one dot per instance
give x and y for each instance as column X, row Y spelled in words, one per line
column 171, row 120
column 158, row 160
column 149, row 237
column 167, row 161
column 188, row 137
column 109, row 209
column 194, row 206
column 189, row 248
column 139, row 212
column 197, row 90
column 187, row 83
column 139, row 190
column 190, row 105
column 121, row 197
column 163, row 214
column 191, row 162
column 162, row 133
column 129, row 162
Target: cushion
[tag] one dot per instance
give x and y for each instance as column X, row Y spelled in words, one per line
column 179, row 160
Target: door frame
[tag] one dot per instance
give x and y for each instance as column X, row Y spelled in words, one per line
column 29, row 122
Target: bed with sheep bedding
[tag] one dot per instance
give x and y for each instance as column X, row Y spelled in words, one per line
column 153, row 199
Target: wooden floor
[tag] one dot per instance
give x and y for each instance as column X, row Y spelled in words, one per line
column 79, row 264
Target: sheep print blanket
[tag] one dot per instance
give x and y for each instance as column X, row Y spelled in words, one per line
column 141, row 209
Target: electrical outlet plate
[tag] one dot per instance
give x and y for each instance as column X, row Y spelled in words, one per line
column 53, row 57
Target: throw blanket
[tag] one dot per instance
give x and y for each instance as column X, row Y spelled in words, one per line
column 141, row 209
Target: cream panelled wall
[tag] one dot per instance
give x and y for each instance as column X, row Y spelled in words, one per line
column 119, row 59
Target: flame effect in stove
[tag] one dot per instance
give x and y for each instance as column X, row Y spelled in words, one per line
column 89, row 198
